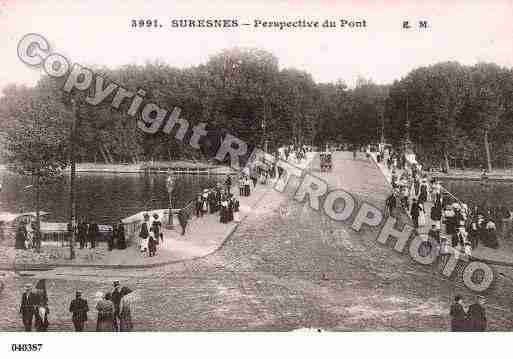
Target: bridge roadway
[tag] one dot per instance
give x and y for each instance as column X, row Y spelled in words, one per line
column 285, row 267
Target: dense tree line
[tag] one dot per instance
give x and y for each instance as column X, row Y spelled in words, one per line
column 453, row 114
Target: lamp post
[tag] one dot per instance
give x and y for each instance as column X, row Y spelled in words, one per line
column 73, row 137
column 170, row 185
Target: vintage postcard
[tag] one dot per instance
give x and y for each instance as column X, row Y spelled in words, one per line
column 340, row 166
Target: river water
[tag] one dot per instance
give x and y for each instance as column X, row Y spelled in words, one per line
column 100, row 197
column 477, row 192
column 105, row 198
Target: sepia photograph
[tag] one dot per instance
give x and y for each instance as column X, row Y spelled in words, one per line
column 256, row 166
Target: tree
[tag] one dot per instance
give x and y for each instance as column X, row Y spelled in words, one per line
column 36, row 133
column 488, row 101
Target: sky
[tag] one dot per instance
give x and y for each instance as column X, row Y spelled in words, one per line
column 98, row 33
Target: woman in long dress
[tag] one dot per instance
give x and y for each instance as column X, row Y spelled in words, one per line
column 126, row 310
column 105, row 308
column 236, row 209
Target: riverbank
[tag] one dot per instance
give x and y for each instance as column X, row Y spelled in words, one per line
column 154, row 167
column 475, row 175
column 204, row 236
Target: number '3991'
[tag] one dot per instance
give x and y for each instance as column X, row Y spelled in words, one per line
column 26, row 347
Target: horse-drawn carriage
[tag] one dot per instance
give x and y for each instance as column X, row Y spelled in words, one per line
column 326, row 162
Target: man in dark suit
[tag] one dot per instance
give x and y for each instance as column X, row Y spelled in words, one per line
column 183, row 217
column 457, row 315
column 82, row 233
column 476, row 316
column 79, row 308
column 93, row 233
column 116, row 300
column 28, row 302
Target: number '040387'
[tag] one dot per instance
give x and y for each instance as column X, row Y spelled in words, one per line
column 26, row 347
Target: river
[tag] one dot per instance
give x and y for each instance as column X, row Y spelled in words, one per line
column 476, row 192
column 101, row 197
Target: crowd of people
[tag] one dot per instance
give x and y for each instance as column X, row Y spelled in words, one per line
column 466, row 226
column 87, row 234
column 114, row 309
column 218, row 200
column 27, row 236
column 296, row 151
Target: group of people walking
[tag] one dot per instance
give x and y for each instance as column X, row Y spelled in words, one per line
column 89, row 233
column 150, row 235
column 219, row 200
column 114, row 309
column 27, row 235
column 465, row 227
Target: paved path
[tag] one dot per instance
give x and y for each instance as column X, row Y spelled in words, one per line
column 285, row 267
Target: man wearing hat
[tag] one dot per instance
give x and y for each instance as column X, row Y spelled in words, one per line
column 476, row 316
column 116, row 300
column 144, row 233
column 29, row 300
column 79, row 309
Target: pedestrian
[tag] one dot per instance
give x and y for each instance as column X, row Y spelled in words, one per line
column 144, row 233
column 183, row 218
column 423, row 191
column 204, row 202
column 422, row 215
column 228, row 184
column 236, row 209
column 21, row 236
column 126, row 310
column 152, row 245
column 212, row 201
column 116, row 300
column 79, row 309
column 199, row 205
column 391, row 203
column 436, row 213
column 458, row 315
column 120, row 236
column 241, row 185
column 28, row 304
column 490, row 239
column 157, row 228
column 105, row 321
column 223, row 216
column 247, row 188
column 476, row 316
column 110, row 238
column 230, row 208
column 41, row 308
column 415, row 212
column 93, row 232
column 434, row 236
column 42, row 313
column 82, row 233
